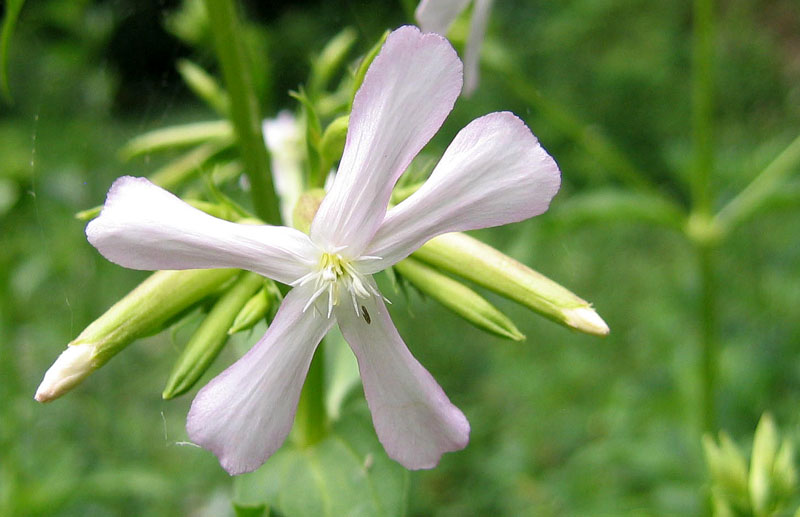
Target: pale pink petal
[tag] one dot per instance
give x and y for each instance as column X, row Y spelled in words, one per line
column 472, row 54
column 437, row 15
column 495, row 172
column 143, row 226
column 245, row 413
column 408, row 91
column 414, row 419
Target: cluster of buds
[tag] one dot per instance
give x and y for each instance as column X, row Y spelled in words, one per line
column 766, row 487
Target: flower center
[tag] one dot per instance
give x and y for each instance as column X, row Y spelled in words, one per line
column 336, row 276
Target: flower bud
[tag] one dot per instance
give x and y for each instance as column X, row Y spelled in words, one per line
column 765, row 447
column 306, row 208
column 143, row 311
column 177, row 136
column 330, row 60
column 728, row 474
column 333, row 138
column 256, row 308
column 458, row 298
column 209, row 338
column 204, row 86
column 469, row 258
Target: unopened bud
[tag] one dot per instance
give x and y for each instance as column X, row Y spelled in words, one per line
column 209, row 338
column 185, row 135
column 143, row 311
column 458, row 298
column 72, row 366
column 331, row 146
column 765, row 448
column 306, row 208
column 330, row 60
column 204, row 86
column 473, row 260
column 256, row 309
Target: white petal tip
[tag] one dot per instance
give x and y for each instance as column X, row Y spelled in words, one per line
column 72, row 366
column 586, row 320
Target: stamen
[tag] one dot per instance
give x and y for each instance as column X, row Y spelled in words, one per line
column 335, row 274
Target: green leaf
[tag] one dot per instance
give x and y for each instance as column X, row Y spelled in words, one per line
column 13, row 8
column 346, row 473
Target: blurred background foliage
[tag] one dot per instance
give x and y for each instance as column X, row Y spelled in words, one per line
column 563, row 424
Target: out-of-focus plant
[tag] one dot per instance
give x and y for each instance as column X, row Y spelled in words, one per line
column 706, row 223
column 767, row 487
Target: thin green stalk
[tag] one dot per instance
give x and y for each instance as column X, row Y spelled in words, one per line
column 244, row 110
column 702, row 127
column 311, row 420
column 703, row 104
column 758, row 192
column 709, row 339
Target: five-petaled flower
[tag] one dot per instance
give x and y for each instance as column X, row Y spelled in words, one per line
column 494, row 172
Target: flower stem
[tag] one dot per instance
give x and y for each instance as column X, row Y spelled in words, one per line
column 244, row 111
column 703, row 104
column 311, row 421
column 702, row 125
column 708, row 336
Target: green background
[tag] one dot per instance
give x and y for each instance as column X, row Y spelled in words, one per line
column 562, row 424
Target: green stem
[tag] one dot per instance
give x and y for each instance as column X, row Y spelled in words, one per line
column 709, row 341
column 702, row 125
column 759, row 191
column 703, row 104
column 244, row 109
column 311, row 421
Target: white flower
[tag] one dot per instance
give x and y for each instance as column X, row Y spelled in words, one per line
column 494, row 172
column 437, row 16
column 283, row 136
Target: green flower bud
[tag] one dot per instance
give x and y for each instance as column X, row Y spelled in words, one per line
column 256, row 309
column 765, row 448
column 473, row 260
column 332, row 144
column 306, row 208
column 458, row 298
column 204, row 86
column 209, row 338
column 177, row 136
column 188, row 165
column 728, row 475
column 330, row 60
column 784, row 472
column 143, row 311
